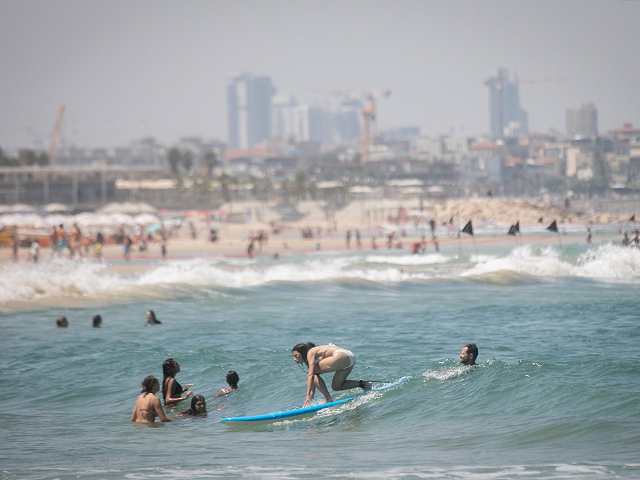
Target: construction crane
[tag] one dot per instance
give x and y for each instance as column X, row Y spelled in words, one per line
column 54, row 140
column 369, row 119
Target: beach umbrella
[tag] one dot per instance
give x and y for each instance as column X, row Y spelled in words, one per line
column 146, row 219
column 22, row 208
column 55, row 208
column 130, row 208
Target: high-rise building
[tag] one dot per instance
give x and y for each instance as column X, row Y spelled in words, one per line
column 249, row 103
column 283, row 116
column 347, row 121
column 582, row 122
column 507, row 117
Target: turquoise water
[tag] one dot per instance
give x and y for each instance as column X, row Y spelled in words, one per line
column 555, row 394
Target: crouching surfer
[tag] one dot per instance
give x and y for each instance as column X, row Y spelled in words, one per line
column 326, row 359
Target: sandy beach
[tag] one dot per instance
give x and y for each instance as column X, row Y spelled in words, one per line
column 369, row 217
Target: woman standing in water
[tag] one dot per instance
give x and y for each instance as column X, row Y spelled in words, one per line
column 171, row 389
column 148, row 407
column 327, row 359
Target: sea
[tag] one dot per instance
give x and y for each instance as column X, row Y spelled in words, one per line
column 555, row 393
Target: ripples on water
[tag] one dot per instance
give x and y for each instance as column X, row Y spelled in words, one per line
column 554, row 396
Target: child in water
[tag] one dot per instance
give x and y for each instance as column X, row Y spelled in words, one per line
column 198, row 407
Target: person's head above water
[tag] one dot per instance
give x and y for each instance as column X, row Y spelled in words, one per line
column 150, row 385
column 151, row 318
column 198, row 405
column 469, row 354
column 233, row 379
column 97, row 321
column 62, row 322
column 300, row 352
column 170, row 367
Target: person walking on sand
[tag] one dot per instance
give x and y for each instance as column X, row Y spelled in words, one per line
column 53, row 240
column 35, row 251
column 326, row 359
column 147, row 406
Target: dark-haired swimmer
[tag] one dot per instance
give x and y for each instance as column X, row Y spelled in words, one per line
column 148, row 407
column 232, row 380
column 151, row 319
column 171, row 389
column 198, row 407
column 469, row 354
column 326, row 359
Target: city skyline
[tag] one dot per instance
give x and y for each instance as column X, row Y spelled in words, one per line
column 126, row 70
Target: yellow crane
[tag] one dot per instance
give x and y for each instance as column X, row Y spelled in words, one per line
column 54, row 140
column 369, row 119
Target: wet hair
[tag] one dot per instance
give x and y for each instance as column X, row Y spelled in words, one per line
column 152, row 320
column 97, row 320
column 148, row 383
column 192, row 410
column 472, row 349
column 303, row 349
column 62, row 322
column 168, row 371
column 233, row 379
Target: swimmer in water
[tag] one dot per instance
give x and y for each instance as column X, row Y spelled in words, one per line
column 171, row 389
column 469, row 354
column 151, row 319
column 198, row 407
column 232, row 380
column 326, row 359
column 148, row 407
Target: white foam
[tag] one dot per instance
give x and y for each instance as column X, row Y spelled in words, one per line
column 603, row 262
column 427, row 259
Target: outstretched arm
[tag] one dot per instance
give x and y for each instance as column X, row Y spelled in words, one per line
column 169, row 400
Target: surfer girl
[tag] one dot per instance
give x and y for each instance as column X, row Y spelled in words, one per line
column 148, row 407
column 326, row 359
column 171, row 389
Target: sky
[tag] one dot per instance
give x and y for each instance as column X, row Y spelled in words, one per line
column 125, row 70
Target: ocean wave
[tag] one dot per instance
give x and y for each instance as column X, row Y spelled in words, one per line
column 72, row 282
column 606, row 262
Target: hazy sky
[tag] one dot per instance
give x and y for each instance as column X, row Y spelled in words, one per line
column 129, row 69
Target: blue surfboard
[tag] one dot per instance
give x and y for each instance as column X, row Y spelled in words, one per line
column 304, row 411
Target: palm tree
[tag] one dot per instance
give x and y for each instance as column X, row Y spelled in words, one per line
column 211, row 161
column 173, row 157
column 187, row 160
